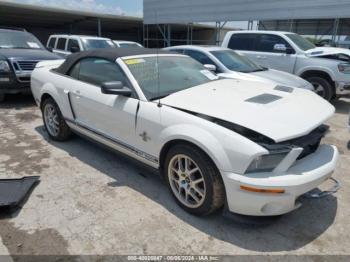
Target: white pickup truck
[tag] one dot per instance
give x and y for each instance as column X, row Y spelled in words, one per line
column 327, row 68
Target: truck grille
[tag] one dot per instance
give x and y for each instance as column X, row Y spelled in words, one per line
column 25, row 65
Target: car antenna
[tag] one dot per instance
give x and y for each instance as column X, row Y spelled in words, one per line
column 157, row 62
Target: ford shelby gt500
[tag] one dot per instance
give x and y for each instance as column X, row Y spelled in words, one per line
column 254, row 147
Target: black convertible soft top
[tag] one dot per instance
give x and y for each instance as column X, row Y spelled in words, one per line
column 110, row 54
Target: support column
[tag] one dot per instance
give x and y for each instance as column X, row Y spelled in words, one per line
column 169, row 35
column 99, row 27
column 291, row 25
column 335, row 31
column 250, row 24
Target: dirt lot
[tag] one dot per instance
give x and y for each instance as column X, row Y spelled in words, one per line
column 93, row 201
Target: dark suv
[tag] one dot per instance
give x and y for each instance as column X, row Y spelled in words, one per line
column 20, row 51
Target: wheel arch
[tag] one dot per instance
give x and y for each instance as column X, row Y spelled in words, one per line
column 318, row 73
column 203, row 141
column 165, row 149
column 43, row 97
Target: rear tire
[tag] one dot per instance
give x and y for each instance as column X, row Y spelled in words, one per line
column 322, row 87
column 194, row 180
column 54, row 122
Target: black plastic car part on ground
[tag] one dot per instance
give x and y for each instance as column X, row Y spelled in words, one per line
column 14, row 191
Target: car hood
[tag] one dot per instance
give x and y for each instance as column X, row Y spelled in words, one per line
column 283, row 78
column 324, row 51
column 271, row 76
column 28, row 54
column 279, row 115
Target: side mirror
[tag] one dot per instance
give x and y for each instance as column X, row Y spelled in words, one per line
column 115, row 88
column 290, row 51
column 211, row 68
column 74, row 49
column 50, row 49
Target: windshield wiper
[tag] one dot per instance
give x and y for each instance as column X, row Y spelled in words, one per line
column 158, row 97
column 260, row 70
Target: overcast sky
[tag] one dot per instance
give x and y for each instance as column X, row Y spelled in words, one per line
column 117, row 7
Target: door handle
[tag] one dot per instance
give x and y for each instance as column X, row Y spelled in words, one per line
column 261, row 57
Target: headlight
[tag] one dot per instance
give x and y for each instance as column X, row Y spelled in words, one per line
column 344, row 68
column 4, row 66
column 266, row 163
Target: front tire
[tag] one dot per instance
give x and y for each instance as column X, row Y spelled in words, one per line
column 54, row 122
column 194, row 180
column 322, row 87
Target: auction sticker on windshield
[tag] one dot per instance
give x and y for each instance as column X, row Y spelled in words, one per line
column 33, row 45
column 134, row 61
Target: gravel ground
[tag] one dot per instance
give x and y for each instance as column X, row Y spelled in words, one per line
column 94, row 202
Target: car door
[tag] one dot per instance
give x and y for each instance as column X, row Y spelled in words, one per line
column 245, row 44
column 51, row 43
column 111, row 116
column 60, row 48
column 73, row 46
column 271, row 52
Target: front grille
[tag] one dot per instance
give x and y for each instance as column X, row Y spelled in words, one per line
column 310, row 142
column 26, row 65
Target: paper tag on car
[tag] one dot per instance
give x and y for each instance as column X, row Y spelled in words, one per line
column 134, row 61
column 33, row 45
column 209, row 74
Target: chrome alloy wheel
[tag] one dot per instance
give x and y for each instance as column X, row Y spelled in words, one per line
column 319, row 89
column 51, row 120
column 186, row 181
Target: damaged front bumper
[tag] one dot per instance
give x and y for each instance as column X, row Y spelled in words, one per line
column 342, row 88
column 278, row 192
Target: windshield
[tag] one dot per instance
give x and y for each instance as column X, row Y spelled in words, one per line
column 301, row 42
column 175, row 74
column 97, row 44
column 129, row 45
column 19, row 40
column 235, row 62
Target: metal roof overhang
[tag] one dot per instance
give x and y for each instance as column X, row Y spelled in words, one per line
column 44, row 17
column 192, row 11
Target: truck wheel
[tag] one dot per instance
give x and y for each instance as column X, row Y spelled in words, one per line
column 194, row 180
column 54, row 122
column 2, row 97
column 322, row 87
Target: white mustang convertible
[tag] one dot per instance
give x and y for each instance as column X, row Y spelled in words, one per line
column 253, row 147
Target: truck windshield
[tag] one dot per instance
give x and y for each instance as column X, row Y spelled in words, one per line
column 301, row 42
column 165, row 75
column 129, row 45
column 19, row 40
column 97, row 44
column 235, row 62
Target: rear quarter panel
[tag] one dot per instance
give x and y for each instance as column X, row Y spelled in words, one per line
column 45, row 81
